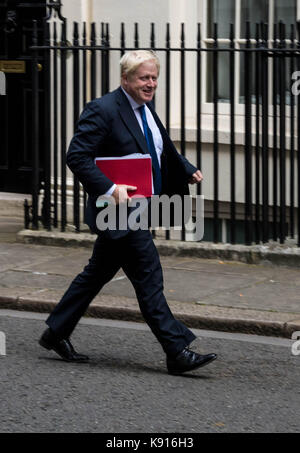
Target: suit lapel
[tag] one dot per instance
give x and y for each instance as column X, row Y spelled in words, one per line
column 130, row 121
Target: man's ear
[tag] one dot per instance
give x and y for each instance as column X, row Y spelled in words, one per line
column 124, row 80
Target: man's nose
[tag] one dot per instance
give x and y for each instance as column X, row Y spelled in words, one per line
column 152, row 83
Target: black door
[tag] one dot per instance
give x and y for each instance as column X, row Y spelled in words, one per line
column 15, row 106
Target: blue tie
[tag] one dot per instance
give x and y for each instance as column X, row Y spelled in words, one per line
column 152, row 151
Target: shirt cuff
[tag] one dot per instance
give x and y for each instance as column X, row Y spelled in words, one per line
column 110, row 191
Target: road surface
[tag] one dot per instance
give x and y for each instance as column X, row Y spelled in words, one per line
column 252, row 387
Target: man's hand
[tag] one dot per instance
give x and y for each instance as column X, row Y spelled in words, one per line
column 196, row 177
column 120, row 193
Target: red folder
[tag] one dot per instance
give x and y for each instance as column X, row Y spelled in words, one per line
column 133, row 171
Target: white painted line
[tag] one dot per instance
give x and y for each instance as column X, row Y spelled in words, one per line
column 2, row 343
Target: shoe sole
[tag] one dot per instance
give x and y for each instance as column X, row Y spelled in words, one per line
column 50, row 348
column 179, row 373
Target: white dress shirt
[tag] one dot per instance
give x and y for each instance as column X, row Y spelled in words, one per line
column 157, row 138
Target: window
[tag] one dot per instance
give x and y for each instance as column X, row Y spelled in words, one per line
column 223, row 13
column 253, row 11
column 238, row 12
column 286, row 11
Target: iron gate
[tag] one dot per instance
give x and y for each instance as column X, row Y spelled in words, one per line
column 264, row 213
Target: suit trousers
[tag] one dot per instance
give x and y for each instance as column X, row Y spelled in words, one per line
column 137, row 255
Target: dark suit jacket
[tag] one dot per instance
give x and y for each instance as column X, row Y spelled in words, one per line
column 108, row 127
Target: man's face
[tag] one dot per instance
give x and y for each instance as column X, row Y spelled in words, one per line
column 141, row 85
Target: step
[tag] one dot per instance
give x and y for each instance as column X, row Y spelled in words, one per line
column 12, row 204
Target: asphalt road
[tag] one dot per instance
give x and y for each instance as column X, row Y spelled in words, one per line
column 252, row 387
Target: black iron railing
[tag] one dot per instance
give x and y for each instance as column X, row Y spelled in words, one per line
column 263, row 213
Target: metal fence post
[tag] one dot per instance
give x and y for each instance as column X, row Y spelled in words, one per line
column 35, row 134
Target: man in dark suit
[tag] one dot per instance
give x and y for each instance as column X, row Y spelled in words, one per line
column 121, row 123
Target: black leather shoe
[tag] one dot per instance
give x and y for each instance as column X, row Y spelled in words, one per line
column 62, row 347
column 188, row 360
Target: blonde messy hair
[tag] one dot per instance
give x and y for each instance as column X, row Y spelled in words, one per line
column 131, row 60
